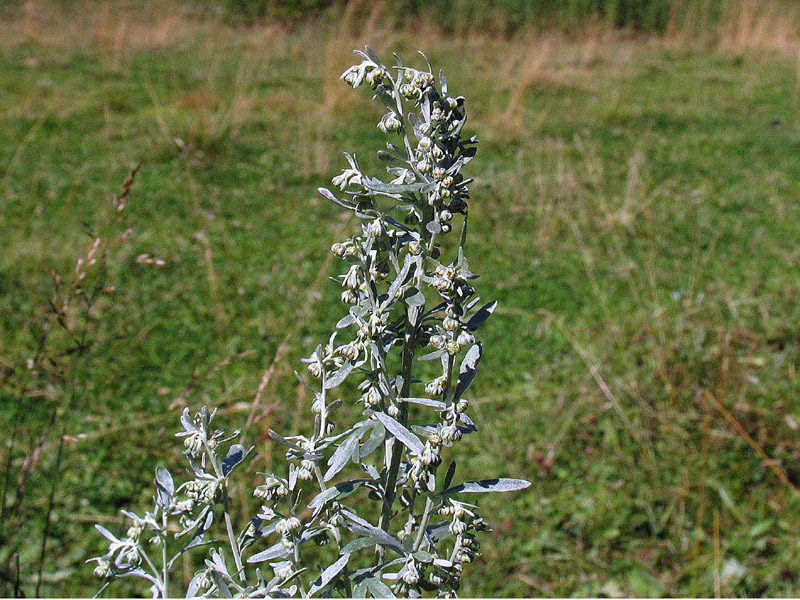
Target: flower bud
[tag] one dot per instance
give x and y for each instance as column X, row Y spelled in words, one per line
column 462, row 405
column 393, row 411
column 103, row 568
column 453, row 348
column 425, row 142
column 414, row 247
column 338, row 249
column 450, row 324
column 457, row 527
column 450, row 433
column 445, row 216
column 203, row 580
column 411, row 577
column 435, row 387
column 372, row 397
column 350, row 79
column 465, row 338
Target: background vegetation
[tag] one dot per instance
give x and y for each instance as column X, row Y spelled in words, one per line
column 635, row 213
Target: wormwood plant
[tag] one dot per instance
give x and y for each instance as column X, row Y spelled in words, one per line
column 401, row 528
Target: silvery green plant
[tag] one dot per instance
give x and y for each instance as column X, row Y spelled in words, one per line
column 400, row 527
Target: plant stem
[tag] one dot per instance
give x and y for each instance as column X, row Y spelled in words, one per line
column 395, row 448
column 237, row 556
column 165, row 576
column 426, row 515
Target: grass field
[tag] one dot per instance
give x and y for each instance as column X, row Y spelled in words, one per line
column 635, row 213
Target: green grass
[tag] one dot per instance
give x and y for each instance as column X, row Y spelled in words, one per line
column 634, row 212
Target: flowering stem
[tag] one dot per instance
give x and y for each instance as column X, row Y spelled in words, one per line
column 395, row 448
column 165, row 576
column 237, row 557
column 426, row 515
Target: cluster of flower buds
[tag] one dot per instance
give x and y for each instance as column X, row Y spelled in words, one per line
column 205, row 490
column 272, row 488
column 464, row 522
column 204, row 579
column 283, row 570
column 422, row 467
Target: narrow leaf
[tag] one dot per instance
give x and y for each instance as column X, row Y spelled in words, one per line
column 489, row 485
column 479, row 317
column 329, row 573
column 468, row 369
column 107, row 534
column 235, row 455
column 340, row 375
column 360, row 543
column 283, row 441
column 401, row 433
column 451, row 470
column 426, row 402
column 165, row 487
column 433, row 355
column 413, row 297
column 378, row 588
column 276, row 551
column 343, row 453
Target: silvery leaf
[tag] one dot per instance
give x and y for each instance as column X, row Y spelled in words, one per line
column 345, row 321
column 401, row 276
column 380, row 536
column 193, row 588
column 413, row 297
column 479, row 317
column 434, row 226
column 360, row 589
column 451, row 470
column 360, row 543
column 339, row 459
column 186, row 421
column 138, row 572
column 391, row 189
column 329, row 573
column 468, row 369
column 378, row 588
column 489, row 485
column 339, row 376
column 376, row 438
column 442, row 81
column 197, row 536
column 388, row 157
column 222, row 585
column 374, row 57
column 416, row 125
column 401, row 433
column 276, row 551
column 235, row 455
column 340, row 490
column 282, row 440
column 433, row 355
column 107, row 534
column 426, row 402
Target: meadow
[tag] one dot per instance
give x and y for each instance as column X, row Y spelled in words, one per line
column 634, row 213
